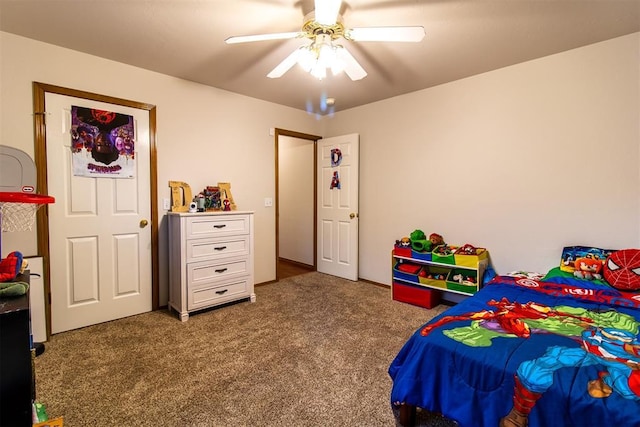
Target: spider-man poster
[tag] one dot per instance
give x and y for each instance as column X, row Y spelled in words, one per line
column 102, row 143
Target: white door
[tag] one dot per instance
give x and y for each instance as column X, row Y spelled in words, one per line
column 100, row 248
column 338, row 171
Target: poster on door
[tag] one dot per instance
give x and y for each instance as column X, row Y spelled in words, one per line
column 102, row 143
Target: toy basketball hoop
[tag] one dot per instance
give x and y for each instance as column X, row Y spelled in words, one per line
column 19, row 201
column 18, row 210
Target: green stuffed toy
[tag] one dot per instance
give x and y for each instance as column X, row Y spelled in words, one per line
column 419, row 241
column 13, row 289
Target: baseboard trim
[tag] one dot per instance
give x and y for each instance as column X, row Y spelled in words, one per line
column 371, row 282
column 298, row 264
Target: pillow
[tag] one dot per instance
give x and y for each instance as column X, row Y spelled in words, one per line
column 622, row 270
column 590, row 259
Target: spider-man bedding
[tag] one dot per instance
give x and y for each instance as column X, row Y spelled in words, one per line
column 525, row 352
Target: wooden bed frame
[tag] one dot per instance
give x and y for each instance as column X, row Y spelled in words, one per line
column 407, row 416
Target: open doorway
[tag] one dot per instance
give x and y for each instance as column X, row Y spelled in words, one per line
column 295, row 203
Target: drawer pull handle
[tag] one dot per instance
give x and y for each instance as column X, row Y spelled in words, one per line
column 222, row 292
column 220, row 248
column 220, row 226
column 221, row 270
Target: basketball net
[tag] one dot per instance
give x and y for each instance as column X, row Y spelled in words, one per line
column 18, row 210
column 18, row 216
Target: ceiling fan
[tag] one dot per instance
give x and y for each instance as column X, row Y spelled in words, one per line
column 324, row 27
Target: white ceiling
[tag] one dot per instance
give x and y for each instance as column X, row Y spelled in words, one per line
column 185, row 38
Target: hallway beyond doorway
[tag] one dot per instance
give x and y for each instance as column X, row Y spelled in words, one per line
column 287, row 268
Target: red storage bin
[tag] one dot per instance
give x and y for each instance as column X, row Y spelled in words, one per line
column 415, row 295
column 402, row 251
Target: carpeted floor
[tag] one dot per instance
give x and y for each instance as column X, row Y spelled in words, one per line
column 313, row 350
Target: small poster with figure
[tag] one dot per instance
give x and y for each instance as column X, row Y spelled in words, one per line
column 102, row 143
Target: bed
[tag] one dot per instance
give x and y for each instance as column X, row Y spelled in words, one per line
column 552, row 351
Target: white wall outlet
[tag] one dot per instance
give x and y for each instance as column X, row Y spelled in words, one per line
column 166, row 204
column 268, row 202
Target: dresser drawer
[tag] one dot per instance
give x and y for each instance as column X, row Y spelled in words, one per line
column 208, row 271
column 217, row 294
column 213, row 226
column 201, row 249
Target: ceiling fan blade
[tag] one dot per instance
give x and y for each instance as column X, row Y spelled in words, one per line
column 385, row 34
column 285, row 65
column 263, row 37
column 326, row 12
column 353, row 69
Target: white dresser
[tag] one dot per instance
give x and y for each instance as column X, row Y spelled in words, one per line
column 210, row 259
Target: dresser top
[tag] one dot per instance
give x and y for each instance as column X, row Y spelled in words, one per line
column 210, row 213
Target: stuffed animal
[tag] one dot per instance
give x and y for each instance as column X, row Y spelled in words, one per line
column 419, row 241
column 10, row 266
column 622, row 270
column 588, row 268
column 13, row 289
column 436, row 239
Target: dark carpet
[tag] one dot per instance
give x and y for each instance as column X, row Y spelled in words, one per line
column 313, row 350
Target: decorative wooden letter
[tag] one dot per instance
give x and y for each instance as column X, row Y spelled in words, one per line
column 180, row 199
column 225, row 193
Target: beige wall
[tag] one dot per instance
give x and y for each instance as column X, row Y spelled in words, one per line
column 523, row 160
column 204, row 135
column 295, row 193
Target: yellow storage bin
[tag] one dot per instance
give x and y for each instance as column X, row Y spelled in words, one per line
column 469, row 256
column 432, row 275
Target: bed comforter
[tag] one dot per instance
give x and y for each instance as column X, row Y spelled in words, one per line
column 525, row 352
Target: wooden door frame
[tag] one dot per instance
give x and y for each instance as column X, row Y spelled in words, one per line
column 314, row 139
column 40, row 142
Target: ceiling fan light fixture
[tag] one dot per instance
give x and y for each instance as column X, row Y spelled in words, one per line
column 319, row 72
column 320, row 56
column 326, row 53
column 323, row 27
column 307, row 58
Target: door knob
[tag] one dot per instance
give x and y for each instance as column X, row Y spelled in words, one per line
column 143, row 223
column 352, row 215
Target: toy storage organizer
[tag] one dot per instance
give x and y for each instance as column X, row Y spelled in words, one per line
column 418, row 278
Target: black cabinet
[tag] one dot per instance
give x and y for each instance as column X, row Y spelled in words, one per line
column 16, row 374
